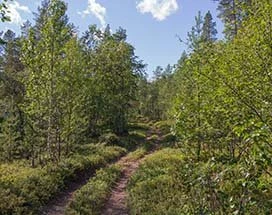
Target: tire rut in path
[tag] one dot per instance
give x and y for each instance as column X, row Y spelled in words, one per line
column 58, row 205
column 116, row 204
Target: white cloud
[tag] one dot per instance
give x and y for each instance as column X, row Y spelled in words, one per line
column 160, row 9
column 14, row 9
column 97, row 10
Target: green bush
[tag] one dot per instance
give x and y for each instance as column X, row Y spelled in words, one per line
column 169, row 183
column 137, row 154
column 133, row 140
column 139, row 126
column 110, row 139
column 168, row 138
column 27, row 189
column 164, row 126
column 90, row 199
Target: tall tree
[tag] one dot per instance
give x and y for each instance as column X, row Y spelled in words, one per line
column 116, row 70
column 11, row 94
column 209, row 31
column 44, row 67
column 232, row 13
column 194, row 36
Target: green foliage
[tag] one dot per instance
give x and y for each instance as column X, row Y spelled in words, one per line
column 209, row 28
column 168, row 138
column 92, row 196
column 110, row 139
column 154, row 97
column 130, row 141
column 170, row 183
column 151, row 187
column 27, row 189
column 221, row 106
column 58, row 90
column 164, row 126
column 4, row 17
column 142, row 126
column 133, row 140
column 232, row 13
column 137, row 154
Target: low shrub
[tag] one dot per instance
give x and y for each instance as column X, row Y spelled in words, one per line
column 89, row 200
column 138, row 136
column 110, row 139
column 139, row 126
column 27, row 189
column 137, row 154
column 164, row 126
column 168, row 138
column 133, row 140
column 170, row 183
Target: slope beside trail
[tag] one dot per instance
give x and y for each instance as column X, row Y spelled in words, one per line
column 116, row 204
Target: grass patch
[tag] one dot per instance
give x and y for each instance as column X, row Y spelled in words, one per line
column 137, row 154
column 109, row 139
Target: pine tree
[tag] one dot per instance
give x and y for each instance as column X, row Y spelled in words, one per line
column 209, row 28
column 194, row 36
column 11, row 146
column 232, row 13
column 11, row 94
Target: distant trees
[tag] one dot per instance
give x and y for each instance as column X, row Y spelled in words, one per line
column 220, row 99
column 218, row 93
column 232, row 13
column 11, row 95
column 155, row 95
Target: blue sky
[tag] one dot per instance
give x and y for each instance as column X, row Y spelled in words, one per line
column 152, row 25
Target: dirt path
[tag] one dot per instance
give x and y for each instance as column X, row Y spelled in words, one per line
column 58, row 204
column 116, row 204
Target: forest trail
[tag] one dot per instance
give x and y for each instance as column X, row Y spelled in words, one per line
column 58, row 204
column 116, row 204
